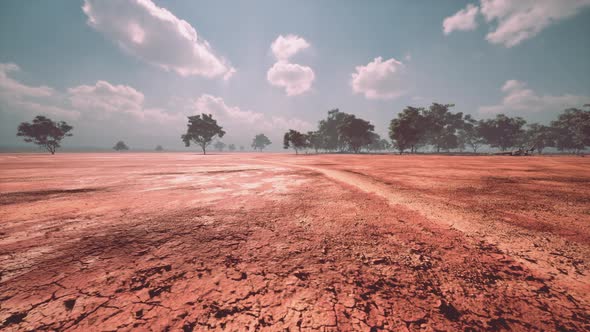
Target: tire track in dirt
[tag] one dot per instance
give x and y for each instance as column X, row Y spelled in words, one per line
column 520, row 244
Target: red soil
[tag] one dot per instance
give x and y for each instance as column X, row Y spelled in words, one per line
column 273, row 242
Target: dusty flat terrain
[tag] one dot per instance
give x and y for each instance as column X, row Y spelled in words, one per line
column 282, row 242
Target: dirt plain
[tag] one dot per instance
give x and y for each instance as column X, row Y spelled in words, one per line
column 277, row 242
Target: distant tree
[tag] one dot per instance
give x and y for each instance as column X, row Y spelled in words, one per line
column 539, row 137
column 385, row 145
column 241, row 148
column 219, row 146
column 376, row 143
column 572, row 130
column 355, row 132
column 232, row 147
column 442, row 126
column 408, row 130
column 44, row 132
column 120, row 146
column 294, row 139
column 315, row 140
column 159, row 148
column 469, row 134
column 201, row 129
column 502, row 132
column 260, row 142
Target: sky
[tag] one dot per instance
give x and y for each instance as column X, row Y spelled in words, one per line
column 134, row 70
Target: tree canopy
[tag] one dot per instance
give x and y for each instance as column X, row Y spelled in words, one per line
column 219, row 146
column 120, row 146
column 45, row 132
column 294, row 139
column 201, row 129
column 260, row 142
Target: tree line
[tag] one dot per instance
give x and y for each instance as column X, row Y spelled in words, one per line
column 442, row 130
column 412, row 129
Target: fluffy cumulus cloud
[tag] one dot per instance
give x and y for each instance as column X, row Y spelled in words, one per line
column 240, row 123
column 519, row 99
column 219, row 109
column 294, row 78
column 106, row 98
column 523, row 19
column 462, row 20
column 156, row 36
column 379, row 79
column 285, row 47
column 100, row 101
column 515, row 21
column 16, row 96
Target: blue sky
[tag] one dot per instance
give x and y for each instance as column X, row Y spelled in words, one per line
column 133, row 74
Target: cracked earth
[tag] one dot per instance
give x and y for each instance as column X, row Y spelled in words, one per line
column 273, row 242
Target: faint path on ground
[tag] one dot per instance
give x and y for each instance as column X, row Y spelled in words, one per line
column 533, row 250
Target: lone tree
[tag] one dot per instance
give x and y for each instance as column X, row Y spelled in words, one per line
column 201, row 129
column 260, row 142
column 44, row 132
column 241, row 148
column 219, row 146
column 120, row 146
column 294, row 139
column 232, row 147
column 159, row 148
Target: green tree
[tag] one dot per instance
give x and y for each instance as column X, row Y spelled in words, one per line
column 231, row 147
column 241, row 148
column 159, row 148
column 260, row 142
column 294, row 139
column 442, row 126
column 502, row 132
column 201, row 129
column 44, row 132
column 120, row 146
column 315, row 140
column 328, row 130
column 539, row 137
column 469, row 134
column 355, row 132
column 219, row 146
column 572, row 130
column 408, row 130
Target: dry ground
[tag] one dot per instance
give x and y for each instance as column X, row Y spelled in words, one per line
column 281, row 242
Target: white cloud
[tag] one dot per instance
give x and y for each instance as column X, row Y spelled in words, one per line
column 515, row 21
column 30, row 100
column 156, row 36
column 295, row 79
column 285, row 47
column 462, row 20
column 523, row 19
column 379, row 79
column 9, row 85
column 107, row 98
column 104, row 100
column 521, row 99
column 216, row 106
column 239, row 121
